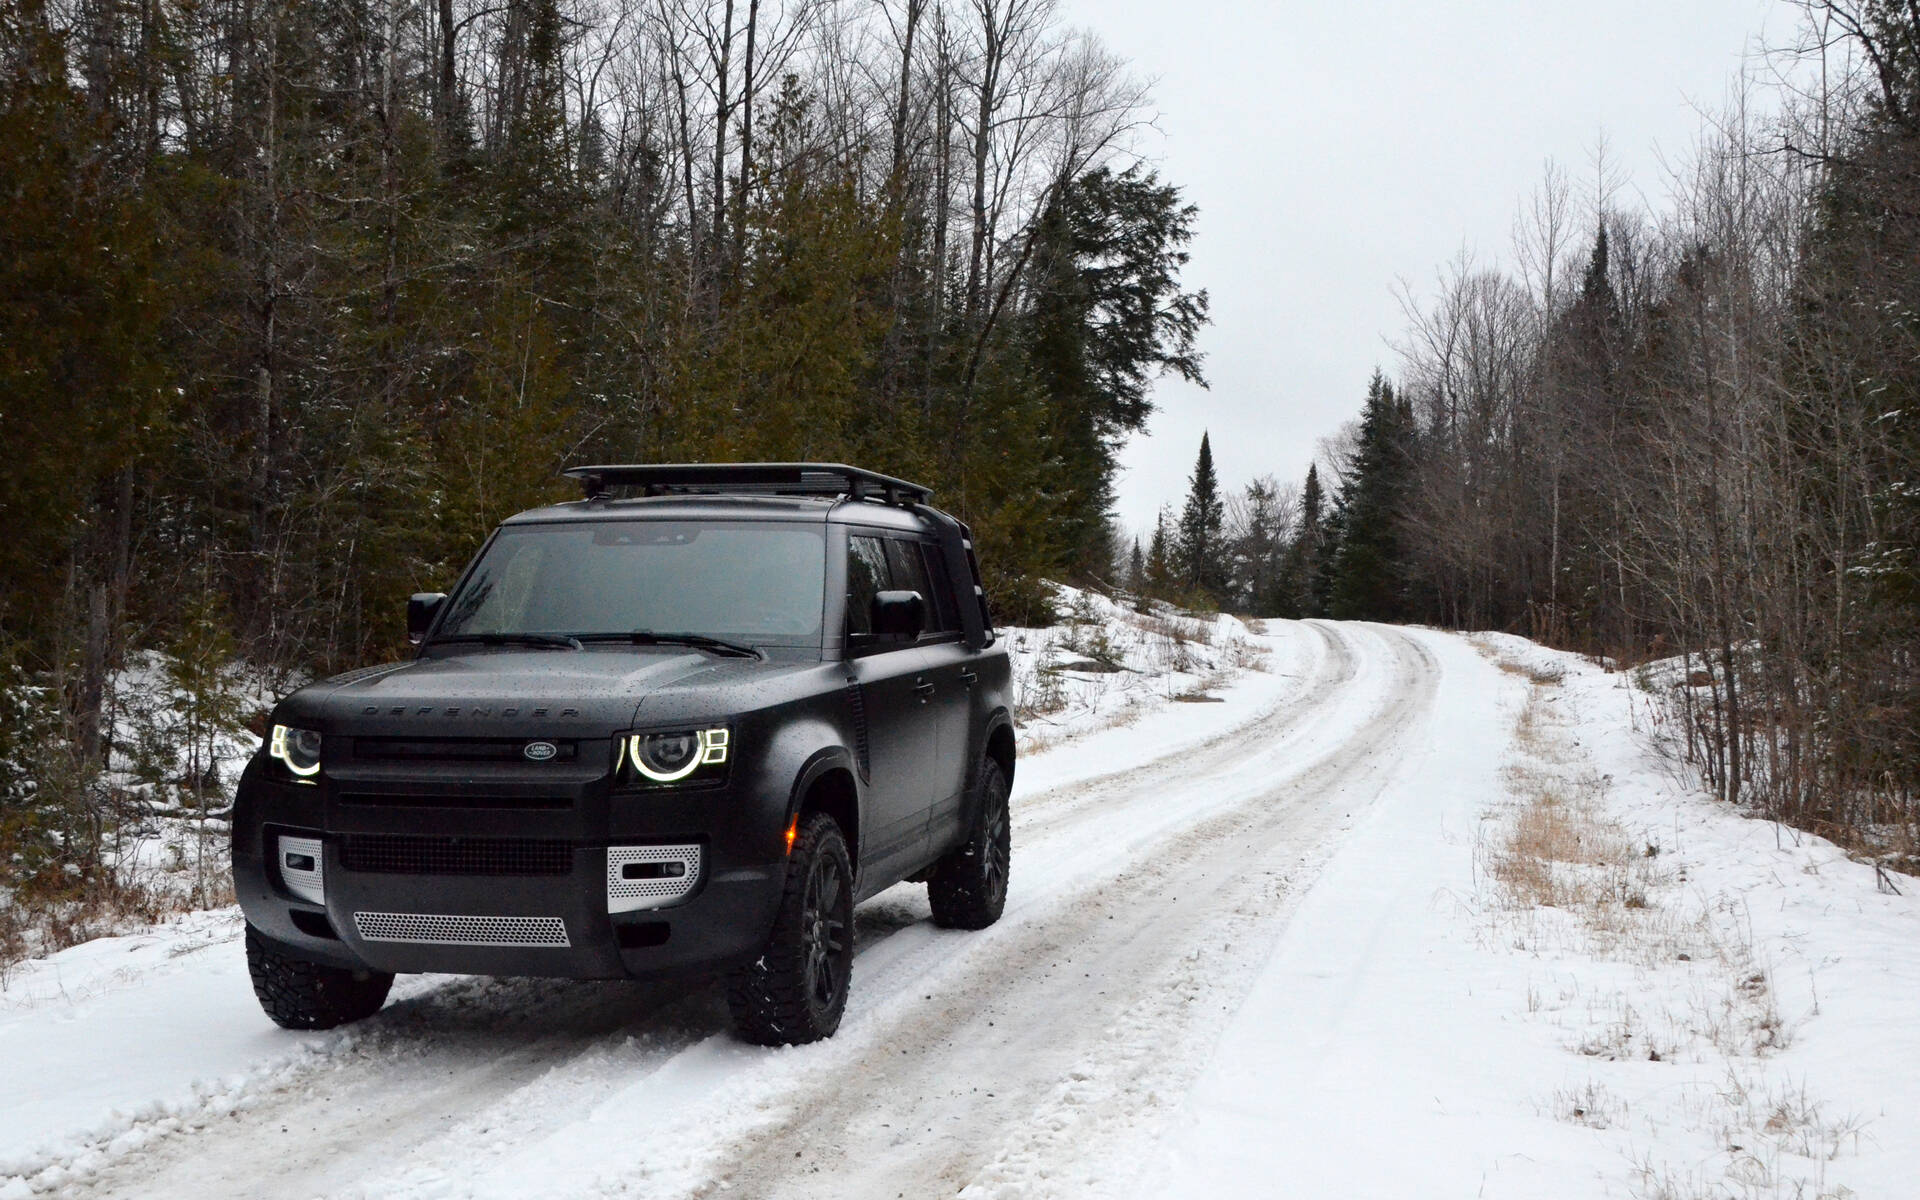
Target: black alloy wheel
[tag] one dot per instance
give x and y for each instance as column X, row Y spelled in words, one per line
column 968, row 888
column 827, row 934
column 796, row 990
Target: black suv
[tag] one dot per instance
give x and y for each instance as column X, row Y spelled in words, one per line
column 677, row 732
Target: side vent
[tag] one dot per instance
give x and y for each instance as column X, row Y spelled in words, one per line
column 857, row 702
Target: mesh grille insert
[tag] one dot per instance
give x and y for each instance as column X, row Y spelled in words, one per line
column 449, row 930
column 656, row 891
column 405, row 854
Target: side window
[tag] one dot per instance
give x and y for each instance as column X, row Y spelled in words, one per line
column 909, row 572
column 867, row 573
column 945, row 618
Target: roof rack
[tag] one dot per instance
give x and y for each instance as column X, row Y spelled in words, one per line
column 774, row 479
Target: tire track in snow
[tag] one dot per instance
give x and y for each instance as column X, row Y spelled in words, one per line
column 972, row 1091
column 452, row 1086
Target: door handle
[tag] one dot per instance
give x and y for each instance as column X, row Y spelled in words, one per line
column 969, row 678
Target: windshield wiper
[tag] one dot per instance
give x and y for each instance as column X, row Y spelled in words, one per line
column 558, row 641
column 699, row 641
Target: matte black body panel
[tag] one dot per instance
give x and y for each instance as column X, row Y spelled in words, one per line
column 392, row 764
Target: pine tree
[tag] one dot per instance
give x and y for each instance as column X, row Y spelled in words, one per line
column 1199, row 549
column 1303, row 572
column 1136, row 569
column 1107, row 317
column 1369, row 576
column 1159, row 579
column 1258, row 551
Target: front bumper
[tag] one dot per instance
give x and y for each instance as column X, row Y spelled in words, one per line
column 442, row 908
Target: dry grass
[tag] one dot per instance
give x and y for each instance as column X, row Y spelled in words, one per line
column 1650, row 970
column 1591, row 1105
column 115, row 901
column 1559, row 849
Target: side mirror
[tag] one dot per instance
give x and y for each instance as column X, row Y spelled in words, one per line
column 422, row 608
column 899, row 614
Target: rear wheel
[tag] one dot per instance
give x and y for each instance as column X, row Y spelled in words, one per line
column 968, row 888
column 796, row 990
column 304, row 995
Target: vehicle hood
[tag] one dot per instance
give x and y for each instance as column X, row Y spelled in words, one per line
column 496, row 693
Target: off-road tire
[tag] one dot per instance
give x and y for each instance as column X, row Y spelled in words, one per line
column 796, row 990
column 304, row 995
column 968, row 887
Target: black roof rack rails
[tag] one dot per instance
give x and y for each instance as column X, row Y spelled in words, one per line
column 777, row 479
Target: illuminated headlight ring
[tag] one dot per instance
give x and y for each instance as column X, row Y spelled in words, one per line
column 299, row 749
column 672, row 757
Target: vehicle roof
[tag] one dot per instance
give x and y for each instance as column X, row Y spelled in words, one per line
column 712, row 507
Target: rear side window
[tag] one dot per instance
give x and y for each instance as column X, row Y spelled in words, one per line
column 867, row 573
column 909, row 572
column 946, row 618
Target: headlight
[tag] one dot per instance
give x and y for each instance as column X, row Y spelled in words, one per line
column 298, row 748
column 683, row 756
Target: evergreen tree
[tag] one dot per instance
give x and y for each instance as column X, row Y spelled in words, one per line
column 1302, row 593
column 1136, row 570
column 1159, row 579
column 1199, row 547
column 1258, row 551
column 1368, row 573
column 1107, row 317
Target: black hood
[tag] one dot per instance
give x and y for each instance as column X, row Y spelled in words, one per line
column 497, row 693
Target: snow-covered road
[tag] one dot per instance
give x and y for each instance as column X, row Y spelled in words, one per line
column 1245, row 953
column 1153, row 865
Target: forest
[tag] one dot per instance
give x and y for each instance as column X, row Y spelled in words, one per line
column 299, row 297
column 1685, row 432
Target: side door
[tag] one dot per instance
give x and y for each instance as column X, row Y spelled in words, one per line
column 901, row 731
column 949, row 673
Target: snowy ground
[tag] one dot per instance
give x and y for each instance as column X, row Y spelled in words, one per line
column 1278, row 944
column 1107, row 663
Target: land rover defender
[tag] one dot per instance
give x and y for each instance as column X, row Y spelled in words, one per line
column 678, row 727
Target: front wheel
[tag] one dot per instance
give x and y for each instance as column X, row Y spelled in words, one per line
column 305, row 995
column 796, row 990
column 968, row 888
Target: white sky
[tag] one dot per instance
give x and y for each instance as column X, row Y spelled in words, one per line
column 1335, row 148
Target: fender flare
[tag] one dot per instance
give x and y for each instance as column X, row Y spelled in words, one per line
column 819, row 763
column 997, row 720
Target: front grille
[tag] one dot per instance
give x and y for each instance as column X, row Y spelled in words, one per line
column 457, row 800
column 449, row 930
column 404, row 854
column 377, row 749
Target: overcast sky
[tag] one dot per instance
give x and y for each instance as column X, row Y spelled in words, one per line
column 1335, row 148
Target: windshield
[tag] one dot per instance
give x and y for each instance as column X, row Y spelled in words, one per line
column 762, row 583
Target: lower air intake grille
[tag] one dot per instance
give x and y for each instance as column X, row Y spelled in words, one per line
column 439, row 930
column 641, row 877
column 403, row 854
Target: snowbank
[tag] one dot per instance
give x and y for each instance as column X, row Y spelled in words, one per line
column 1108, row 662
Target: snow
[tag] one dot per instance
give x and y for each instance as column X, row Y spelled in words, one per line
column 1254, row 946
column 1412, row 1035
column 1109, row 662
